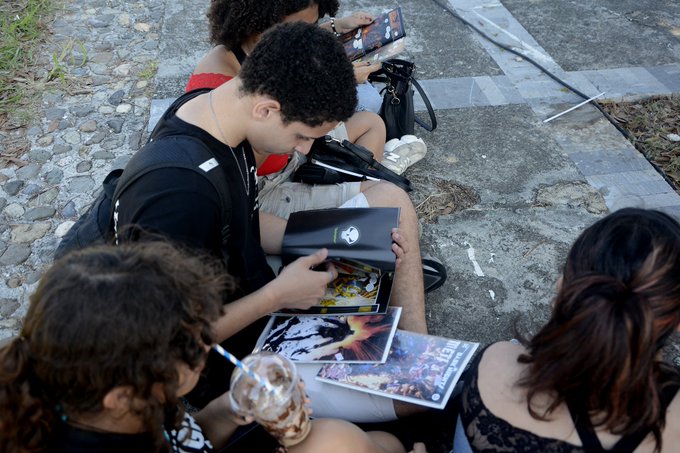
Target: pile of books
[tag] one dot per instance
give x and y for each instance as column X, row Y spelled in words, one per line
column 353, row 331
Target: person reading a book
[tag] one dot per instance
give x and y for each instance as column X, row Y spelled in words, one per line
column 274, row 106
column 593, row 378
column 236, row 27
column 93, row 369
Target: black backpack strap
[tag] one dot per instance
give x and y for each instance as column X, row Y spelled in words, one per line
column 156, row 155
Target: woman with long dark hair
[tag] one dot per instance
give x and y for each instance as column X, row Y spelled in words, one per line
column 593, row 378
column 112, row 338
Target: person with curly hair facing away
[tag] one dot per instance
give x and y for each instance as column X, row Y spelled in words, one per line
column 272, row 107
column 93, row 369
column 593, row 379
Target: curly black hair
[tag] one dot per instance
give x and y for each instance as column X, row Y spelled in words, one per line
column 306, row 70
column 234, row 21
column 101, row 318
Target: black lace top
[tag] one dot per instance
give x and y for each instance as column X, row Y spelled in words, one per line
column 490, row 434
column 487, row 433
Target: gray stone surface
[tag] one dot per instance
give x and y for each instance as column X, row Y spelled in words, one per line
column 604, row 34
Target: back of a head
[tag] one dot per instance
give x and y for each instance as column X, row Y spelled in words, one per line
column 306, row 70
column 102, row 318
column 617, row 304
column 233, row 22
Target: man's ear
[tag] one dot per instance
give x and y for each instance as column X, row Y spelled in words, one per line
column 264, row 107
column 118, row 399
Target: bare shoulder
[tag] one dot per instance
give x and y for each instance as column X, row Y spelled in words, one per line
column 218, row 60
column 499, row 372
column 501, row 358
column 671, row 432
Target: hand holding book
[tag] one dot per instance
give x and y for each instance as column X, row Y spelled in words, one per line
column 290, row 294
column 362, row 69
column 353, row 21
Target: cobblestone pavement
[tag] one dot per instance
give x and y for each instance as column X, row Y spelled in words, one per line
column 91, row 121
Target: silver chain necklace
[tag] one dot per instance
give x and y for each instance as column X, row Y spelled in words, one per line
column 246, row 179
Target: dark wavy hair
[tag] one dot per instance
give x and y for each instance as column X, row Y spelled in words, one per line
column 306, row 70
column 616, row 307
column 103, row 318
column 234, row 21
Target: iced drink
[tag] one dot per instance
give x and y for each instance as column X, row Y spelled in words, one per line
column 281, row 412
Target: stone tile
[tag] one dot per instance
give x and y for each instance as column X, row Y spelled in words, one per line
column 491, row 90
column 622, row 82
column 158, row 107
column 608, row 161
column 669, row 75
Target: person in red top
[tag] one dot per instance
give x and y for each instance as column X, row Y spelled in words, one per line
column 236, row 29
column 235, row 35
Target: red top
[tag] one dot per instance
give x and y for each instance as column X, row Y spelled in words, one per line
column 273, row 163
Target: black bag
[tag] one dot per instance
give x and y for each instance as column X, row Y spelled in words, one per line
column 96, row 226
column 397, row 109
column 332, row 161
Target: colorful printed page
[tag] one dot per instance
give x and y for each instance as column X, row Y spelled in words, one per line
column 387, row 51
column 354, row 291
column 386, row 28
column 420, row 369
column 353, row 339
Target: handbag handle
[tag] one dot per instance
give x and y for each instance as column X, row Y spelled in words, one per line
column 430, row 111
column 390, row 70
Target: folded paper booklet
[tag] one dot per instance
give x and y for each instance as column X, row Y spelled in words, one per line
column 351, row 338
column 386, row 31
column 420, row 369
column 359, row 243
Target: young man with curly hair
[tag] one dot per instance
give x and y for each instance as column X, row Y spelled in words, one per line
column 236, row 26
column 296, row 86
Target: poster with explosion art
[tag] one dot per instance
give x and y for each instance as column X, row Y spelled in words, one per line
column 420, row 369
column 353, row 338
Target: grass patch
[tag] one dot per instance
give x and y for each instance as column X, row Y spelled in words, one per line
column 654, row 127
column 22, row 27
column 149, row 70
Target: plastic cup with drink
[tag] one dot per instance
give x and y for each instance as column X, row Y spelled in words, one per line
column 267, row 388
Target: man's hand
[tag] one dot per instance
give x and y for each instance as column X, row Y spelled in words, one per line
column 300, row 287
column 363, row 68
column 356, row 20
column 400, row 246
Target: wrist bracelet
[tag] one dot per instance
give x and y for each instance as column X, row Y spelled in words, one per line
column 335, row 30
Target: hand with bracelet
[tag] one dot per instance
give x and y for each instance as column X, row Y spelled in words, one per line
column 349, row 23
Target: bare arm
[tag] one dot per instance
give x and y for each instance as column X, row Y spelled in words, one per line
column 219, row 422
column 272, row 229
column 344, row 437
column 349, row 23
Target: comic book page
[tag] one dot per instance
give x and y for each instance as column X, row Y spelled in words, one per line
column 353, row 338
column 389, row 50
column 420, row 369
column 354, row 291
column 386, row 28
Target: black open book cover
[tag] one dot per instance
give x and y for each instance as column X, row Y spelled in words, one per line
column 359, row 243
column 362, row 235
column 385, row 29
